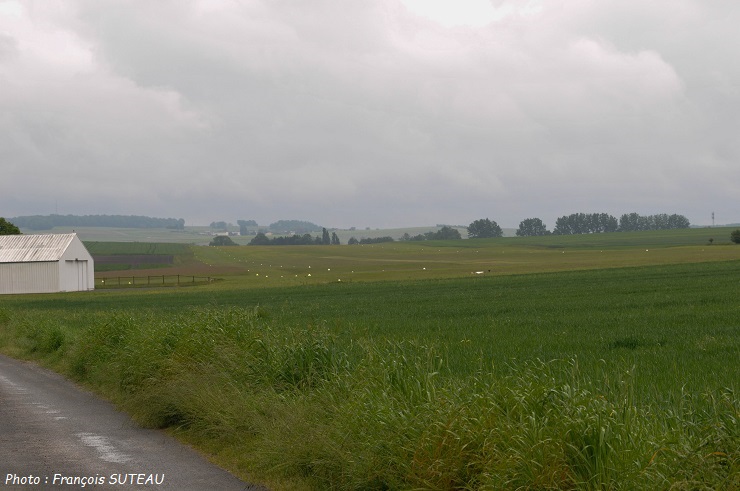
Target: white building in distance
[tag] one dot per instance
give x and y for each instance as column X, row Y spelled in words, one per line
column 45, row 264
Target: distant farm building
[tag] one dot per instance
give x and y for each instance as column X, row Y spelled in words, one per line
column 45, row 264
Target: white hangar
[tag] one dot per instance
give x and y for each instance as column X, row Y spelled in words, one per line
column 45, row 264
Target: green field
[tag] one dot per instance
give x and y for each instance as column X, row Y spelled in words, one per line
column 135, row 248
column 582, row 362
column 291, row 265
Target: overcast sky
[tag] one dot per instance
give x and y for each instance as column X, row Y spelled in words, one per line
column 383, row 113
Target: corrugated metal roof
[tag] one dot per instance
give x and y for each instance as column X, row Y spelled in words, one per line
column 33, row 248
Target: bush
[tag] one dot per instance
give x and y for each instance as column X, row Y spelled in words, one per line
column 735, row 236
column 222, row 240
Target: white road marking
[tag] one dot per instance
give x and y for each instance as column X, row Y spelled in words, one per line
column 17, row 388
column 107, row 451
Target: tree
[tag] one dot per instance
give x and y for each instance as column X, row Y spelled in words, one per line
column 484, row 228
column 244, row 226
column 260, row 239
column 447, row 233
column 678, row 221
column 629, row 222
column 531, row 227
column 7, row 228
column 735, row 236
column 335, row 239
column 222, row 240
column 325, row 238
column 563, row 226
column 352, row 241
column 607, row 223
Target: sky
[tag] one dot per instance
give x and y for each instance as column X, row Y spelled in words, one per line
column 370, row 113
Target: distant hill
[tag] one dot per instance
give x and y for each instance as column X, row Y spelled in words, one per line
column 47, row 222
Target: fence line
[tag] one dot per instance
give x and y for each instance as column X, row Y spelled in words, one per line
column 153, row 280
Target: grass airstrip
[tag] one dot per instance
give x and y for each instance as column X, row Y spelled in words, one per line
column 604, row 361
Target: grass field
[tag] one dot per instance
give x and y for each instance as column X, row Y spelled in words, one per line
column 292, row 265
column 136, row 248
column 589, row 362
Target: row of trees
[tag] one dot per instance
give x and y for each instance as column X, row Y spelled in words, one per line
column 47, row 222
column 634, row 222
column 576, row 223
column 581, row 223
column 444, row 233
column 305, row 239
column 584, row 223
column 371, row 240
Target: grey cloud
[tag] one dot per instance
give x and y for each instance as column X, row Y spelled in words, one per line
column 352, row 113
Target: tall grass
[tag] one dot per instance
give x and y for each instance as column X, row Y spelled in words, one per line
column 300, row 403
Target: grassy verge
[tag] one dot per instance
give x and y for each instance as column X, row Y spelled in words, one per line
column 610, row 379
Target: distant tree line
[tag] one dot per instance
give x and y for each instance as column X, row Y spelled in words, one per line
column 305, row 239
column 633, row 222
column 444, row 233
column 294, row 226
column 581, row 223
column 47, row 222
column 372, row 240
column 585, row 223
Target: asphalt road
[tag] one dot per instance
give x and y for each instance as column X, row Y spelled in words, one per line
column 54, row 435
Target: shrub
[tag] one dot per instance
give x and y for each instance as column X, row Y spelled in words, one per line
column 735, row 236
column 222, row 240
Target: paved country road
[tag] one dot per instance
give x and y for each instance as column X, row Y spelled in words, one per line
column 54, row 435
